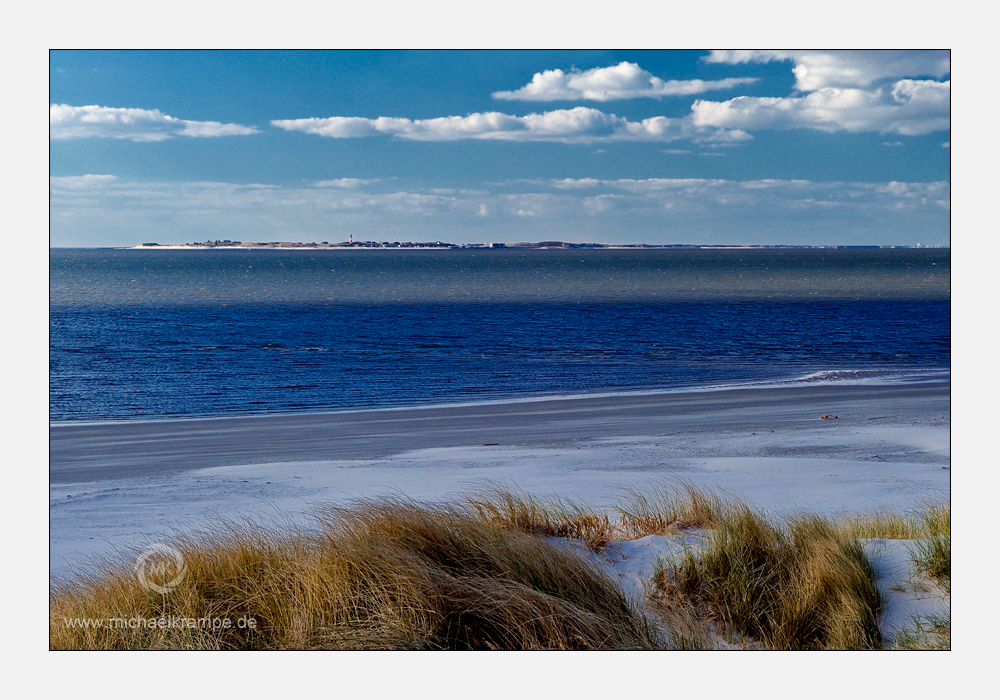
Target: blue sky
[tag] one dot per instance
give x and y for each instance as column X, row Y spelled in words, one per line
column 805, row 147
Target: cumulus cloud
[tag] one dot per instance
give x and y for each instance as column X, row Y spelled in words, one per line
column 68, row 122
column 815, row 70
column 576, row 125
column 854, row 91
column 621, row 82
column 907, row 107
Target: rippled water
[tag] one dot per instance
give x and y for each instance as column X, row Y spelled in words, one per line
column 157, row 333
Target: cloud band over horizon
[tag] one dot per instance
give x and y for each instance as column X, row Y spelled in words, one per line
column 681, row 210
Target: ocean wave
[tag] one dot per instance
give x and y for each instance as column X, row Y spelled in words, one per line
column 869, row 376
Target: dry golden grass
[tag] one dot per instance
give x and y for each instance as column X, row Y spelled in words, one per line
column 392, row 574
column 930, row 526
column 937, row 519
column 932, row 556
column 802, row 584
column 655, row 510
column 931, row 520
column 377, row 575
column 888, row 525
column 517, row 510
column 660, row 510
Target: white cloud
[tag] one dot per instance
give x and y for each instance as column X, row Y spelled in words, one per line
column 601, row 204
column 621, row 82
column 570, row 183
column 892, row 144
column 675, row 151
column 854, row 91
column 576, row 125
column 907, row 107
column 81, row 182
column 946, row 144
column 815, row 70
column 645, row 185
column 68, row 122
column 345, row 183
column 714, row 190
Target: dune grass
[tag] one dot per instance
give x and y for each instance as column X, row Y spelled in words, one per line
column 932, row 556
column 933, row 519
column 377, row 575
column 518, row 510
column 482, row 574
column 930, row 527
column 800, row 584
column 660, row 510
column 930, row 634
column 656, row 510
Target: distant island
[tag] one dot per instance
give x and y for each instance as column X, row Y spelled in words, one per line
column 439, row 245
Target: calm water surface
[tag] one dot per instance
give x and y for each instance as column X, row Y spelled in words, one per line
column 139, row 334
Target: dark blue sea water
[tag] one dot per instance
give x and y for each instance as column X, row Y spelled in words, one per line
column 141, row 334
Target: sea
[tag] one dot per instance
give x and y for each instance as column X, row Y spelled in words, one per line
column 149, row 334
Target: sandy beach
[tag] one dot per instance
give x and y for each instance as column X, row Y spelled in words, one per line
column 120, row 483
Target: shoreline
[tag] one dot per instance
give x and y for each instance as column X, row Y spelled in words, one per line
column 861, row 376
column 118, row 485
column 100, row 450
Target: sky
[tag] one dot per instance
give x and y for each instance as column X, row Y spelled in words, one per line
column 712, row 147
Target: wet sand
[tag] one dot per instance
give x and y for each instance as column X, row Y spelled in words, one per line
column 114, row 450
